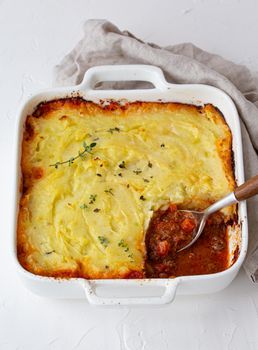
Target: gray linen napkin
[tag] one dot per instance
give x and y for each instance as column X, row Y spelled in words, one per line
column 103, row 43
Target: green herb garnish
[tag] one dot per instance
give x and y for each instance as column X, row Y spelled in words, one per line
column 122, row 165
column 111, row 130
column 149, row 164
column 70, row 161
column 96, row 210
column 110, row 191
column 104, row 241
column 124, row 245
column 162, row 145
column 146, row 180
column 48, row 253
column 93, row 198
column 142, row 198
column 83, row 206
column 137, row 171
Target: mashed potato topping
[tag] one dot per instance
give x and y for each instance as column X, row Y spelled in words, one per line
column 93, row 175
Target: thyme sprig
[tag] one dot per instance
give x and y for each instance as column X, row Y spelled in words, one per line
column 87, row 149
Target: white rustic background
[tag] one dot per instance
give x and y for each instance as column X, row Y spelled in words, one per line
column 34, row 36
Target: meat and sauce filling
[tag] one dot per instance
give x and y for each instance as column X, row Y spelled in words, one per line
column 170, row 230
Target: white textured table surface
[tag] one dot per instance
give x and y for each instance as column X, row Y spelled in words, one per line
column 34, row 36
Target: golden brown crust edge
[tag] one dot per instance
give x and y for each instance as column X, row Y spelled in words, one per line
column 224, row 146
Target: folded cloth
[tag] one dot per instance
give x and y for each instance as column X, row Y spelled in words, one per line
column 103, row 43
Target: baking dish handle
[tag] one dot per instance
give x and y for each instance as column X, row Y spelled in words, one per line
column 167, row 297
column 134, row 72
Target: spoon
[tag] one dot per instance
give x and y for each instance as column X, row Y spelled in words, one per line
column 244, row 191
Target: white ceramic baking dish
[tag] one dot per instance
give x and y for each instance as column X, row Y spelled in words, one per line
column 147, row 291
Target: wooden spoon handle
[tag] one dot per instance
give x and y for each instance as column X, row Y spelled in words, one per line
column 247, row 189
